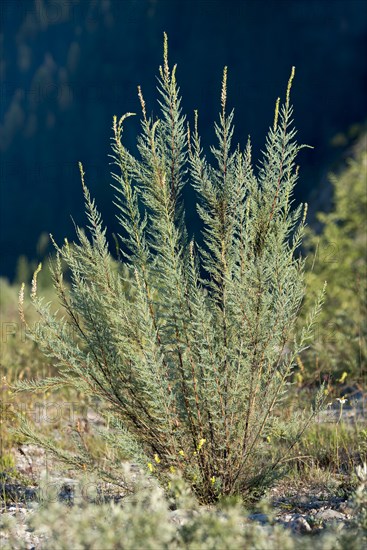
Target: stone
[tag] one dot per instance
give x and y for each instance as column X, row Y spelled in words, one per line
column 300, row 525
column 330, row 515
column 260, row 518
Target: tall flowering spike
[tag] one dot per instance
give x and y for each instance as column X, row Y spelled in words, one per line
column 196, row 122
column 142, row 103
column 290, row 82
column 82, row 174
column 165, row 71
column 276, row 114
column 21, row 303
column 34, row 282
column 224, row 89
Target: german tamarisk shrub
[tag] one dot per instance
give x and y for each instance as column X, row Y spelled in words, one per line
column 195, row 362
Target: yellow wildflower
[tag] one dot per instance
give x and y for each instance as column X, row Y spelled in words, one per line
column 156, row 458
column 201, row 443
column 150, row 467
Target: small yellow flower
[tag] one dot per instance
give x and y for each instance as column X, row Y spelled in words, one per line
column 150, row 467
column 172, row 469
column 201, row 443
column 156, row 458
column 181, row 453
column 343, row 377
column 212, row 479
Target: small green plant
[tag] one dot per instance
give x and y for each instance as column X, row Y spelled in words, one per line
column 333, row 448
column 6, row 462
column 193, row 364
column 21, row 359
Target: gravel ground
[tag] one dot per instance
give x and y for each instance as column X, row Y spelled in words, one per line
column 302, row 509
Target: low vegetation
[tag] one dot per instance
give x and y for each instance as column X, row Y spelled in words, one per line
column 338, row 255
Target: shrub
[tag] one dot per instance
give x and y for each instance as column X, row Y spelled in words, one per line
column 194, row 363
column 146, row 522
column 339, row 255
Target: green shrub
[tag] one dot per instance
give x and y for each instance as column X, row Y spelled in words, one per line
column 339, row 255
column 195, row 362
column 145, row 522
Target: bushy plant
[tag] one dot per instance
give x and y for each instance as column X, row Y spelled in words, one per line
column 195, row 362
column 338, row 254
column 145, row 521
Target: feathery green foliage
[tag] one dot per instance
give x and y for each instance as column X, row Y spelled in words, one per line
column 195, row 361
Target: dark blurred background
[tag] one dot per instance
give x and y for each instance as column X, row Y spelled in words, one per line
column 67, row 66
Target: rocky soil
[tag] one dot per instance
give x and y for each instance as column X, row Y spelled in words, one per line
column 301, row 509
column 304, row 508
